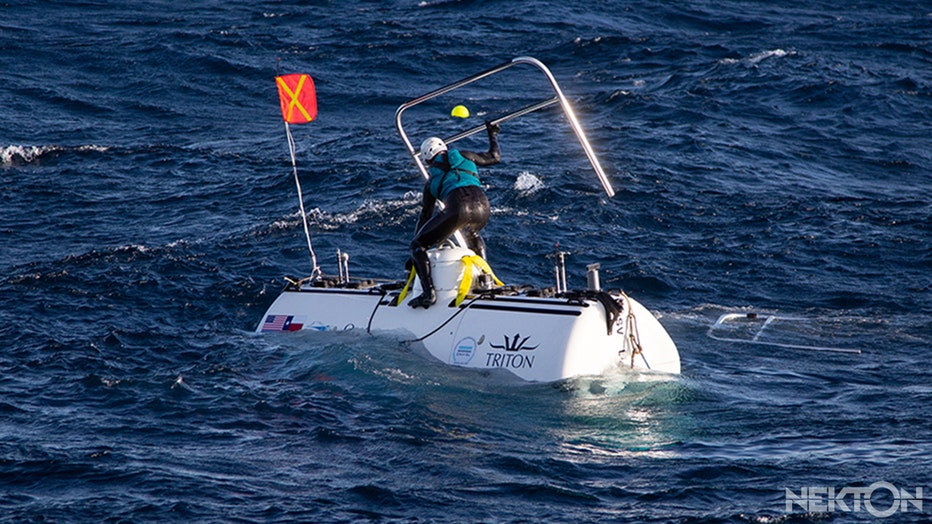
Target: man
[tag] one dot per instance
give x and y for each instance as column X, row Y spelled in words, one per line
column 454, row 180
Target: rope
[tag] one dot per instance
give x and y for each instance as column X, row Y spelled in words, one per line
column 445, row 322
column 315, row 269
column 633, row 339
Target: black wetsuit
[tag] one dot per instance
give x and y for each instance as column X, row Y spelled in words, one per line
column 465, row 208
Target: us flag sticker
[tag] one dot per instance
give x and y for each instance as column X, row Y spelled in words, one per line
column 282, row 323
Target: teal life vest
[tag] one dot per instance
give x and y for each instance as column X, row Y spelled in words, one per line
column 452, row 171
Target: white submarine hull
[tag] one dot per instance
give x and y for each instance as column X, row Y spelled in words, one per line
column 537, row 338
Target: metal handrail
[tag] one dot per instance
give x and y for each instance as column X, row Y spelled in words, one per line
column 558, row 98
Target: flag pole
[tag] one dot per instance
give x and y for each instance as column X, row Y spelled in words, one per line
column 315, row 269
column 298, row 99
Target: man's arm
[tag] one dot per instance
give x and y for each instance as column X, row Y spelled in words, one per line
column 493, row 155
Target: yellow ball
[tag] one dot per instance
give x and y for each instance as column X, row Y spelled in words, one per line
column 460, row 112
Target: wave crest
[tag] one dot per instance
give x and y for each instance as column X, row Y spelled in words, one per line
column 527, row 183
column 757, row 58
column 18, row 155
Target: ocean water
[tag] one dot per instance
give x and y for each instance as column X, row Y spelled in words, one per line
column 769, row 157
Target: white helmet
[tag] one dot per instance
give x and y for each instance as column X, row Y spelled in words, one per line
column 432, row 147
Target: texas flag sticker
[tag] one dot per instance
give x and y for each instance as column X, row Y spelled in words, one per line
column 282, row 323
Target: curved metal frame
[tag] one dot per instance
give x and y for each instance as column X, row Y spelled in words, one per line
column 558, row 98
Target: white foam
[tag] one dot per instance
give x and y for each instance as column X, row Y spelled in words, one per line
column 13, row 155
column 528, row 183
column 756, row 58
column 17, row 155
column 389, row 211
column 774, row 53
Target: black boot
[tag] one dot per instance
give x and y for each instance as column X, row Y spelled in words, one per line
column 424, row 300
column 422, row 266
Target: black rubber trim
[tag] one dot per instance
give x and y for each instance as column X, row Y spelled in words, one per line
column 534, row 300
column 339, row 291
column 516, row 309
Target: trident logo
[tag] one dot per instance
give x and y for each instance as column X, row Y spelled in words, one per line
column 515, row 344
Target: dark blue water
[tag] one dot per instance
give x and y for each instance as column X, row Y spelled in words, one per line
column 768, row 157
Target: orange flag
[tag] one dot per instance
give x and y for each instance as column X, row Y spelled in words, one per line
column 298, row 98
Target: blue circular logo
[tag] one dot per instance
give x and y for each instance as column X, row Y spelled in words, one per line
column 463, row 351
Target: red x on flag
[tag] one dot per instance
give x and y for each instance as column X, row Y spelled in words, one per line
column 298, row 98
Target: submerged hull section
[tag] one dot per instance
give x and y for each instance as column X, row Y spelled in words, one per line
column 537, row 338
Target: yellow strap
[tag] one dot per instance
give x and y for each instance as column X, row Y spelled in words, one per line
column 485, row 267
column 404, row 290
column 466, row 283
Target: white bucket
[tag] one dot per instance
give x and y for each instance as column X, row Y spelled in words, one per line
column 446, row 267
